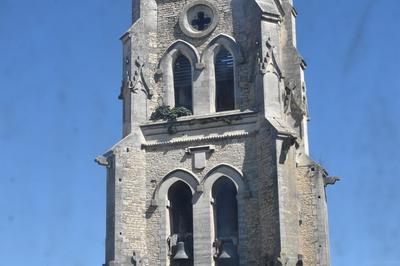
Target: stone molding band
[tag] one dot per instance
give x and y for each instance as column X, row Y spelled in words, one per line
column 195, row 139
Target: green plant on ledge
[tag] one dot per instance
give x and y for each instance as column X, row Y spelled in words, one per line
column 165, row 113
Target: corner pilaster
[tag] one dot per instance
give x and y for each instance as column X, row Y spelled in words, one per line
column 287, row 198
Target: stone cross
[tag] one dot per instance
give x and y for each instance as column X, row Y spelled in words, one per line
column 201, row 22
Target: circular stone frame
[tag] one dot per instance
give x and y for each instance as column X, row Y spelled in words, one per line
column 185, row 26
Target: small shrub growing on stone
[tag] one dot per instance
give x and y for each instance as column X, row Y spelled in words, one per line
column 166, row 113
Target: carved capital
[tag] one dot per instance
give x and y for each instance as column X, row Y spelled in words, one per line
column 200, row 66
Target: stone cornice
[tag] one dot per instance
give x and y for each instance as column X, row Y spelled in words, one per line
column 280, row 7
column 217, row 126
column 201, row 119
column 281, row 128
column 271, row 17
column 126, row 35
column 197, row 139
column 272, row 10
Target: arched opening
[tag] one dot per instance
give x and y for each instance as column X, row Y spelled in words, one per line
column 224, row 80
column 183, row 82
column 226, row 222
column 181, row 224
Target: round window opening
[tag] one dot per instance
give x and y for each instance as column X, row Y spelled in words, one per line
column 198, row 19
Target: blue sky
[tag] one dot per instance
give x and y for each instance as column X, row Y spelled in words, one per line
column 60, row 73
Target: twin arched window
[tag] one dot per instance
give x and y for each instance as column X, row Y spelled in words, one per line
column 224, row 81
column 225, row 211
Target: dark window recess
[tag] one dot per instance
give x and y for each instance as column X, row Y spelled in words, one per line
column 226, row 216
column 201, row 22
column 183, row 82
column 224, row 81
column 181, row 222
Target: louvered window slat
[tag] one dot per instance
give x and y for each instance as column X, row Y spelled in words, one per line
column 224, row 81
column 183, row 82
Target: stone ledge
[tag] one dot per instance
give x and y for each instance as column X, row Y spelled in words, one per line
column 195, row 139
column 231, row 124
column 199, row 118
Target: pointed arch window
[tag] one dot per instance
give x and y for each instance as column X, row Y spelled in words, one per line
column 183, row 82
column 224, row 80
column 226, row 222
column 181, row 224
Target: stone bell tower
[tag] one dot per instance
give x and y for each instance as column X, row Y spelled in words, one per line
column 213, row 167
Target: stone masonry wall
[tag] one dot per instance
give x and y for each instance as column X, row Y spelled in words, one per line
column 308, row 215
column 267, row 197
column 241, row 153
column 130, row 202
column 133, row 224
column 240, row 28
